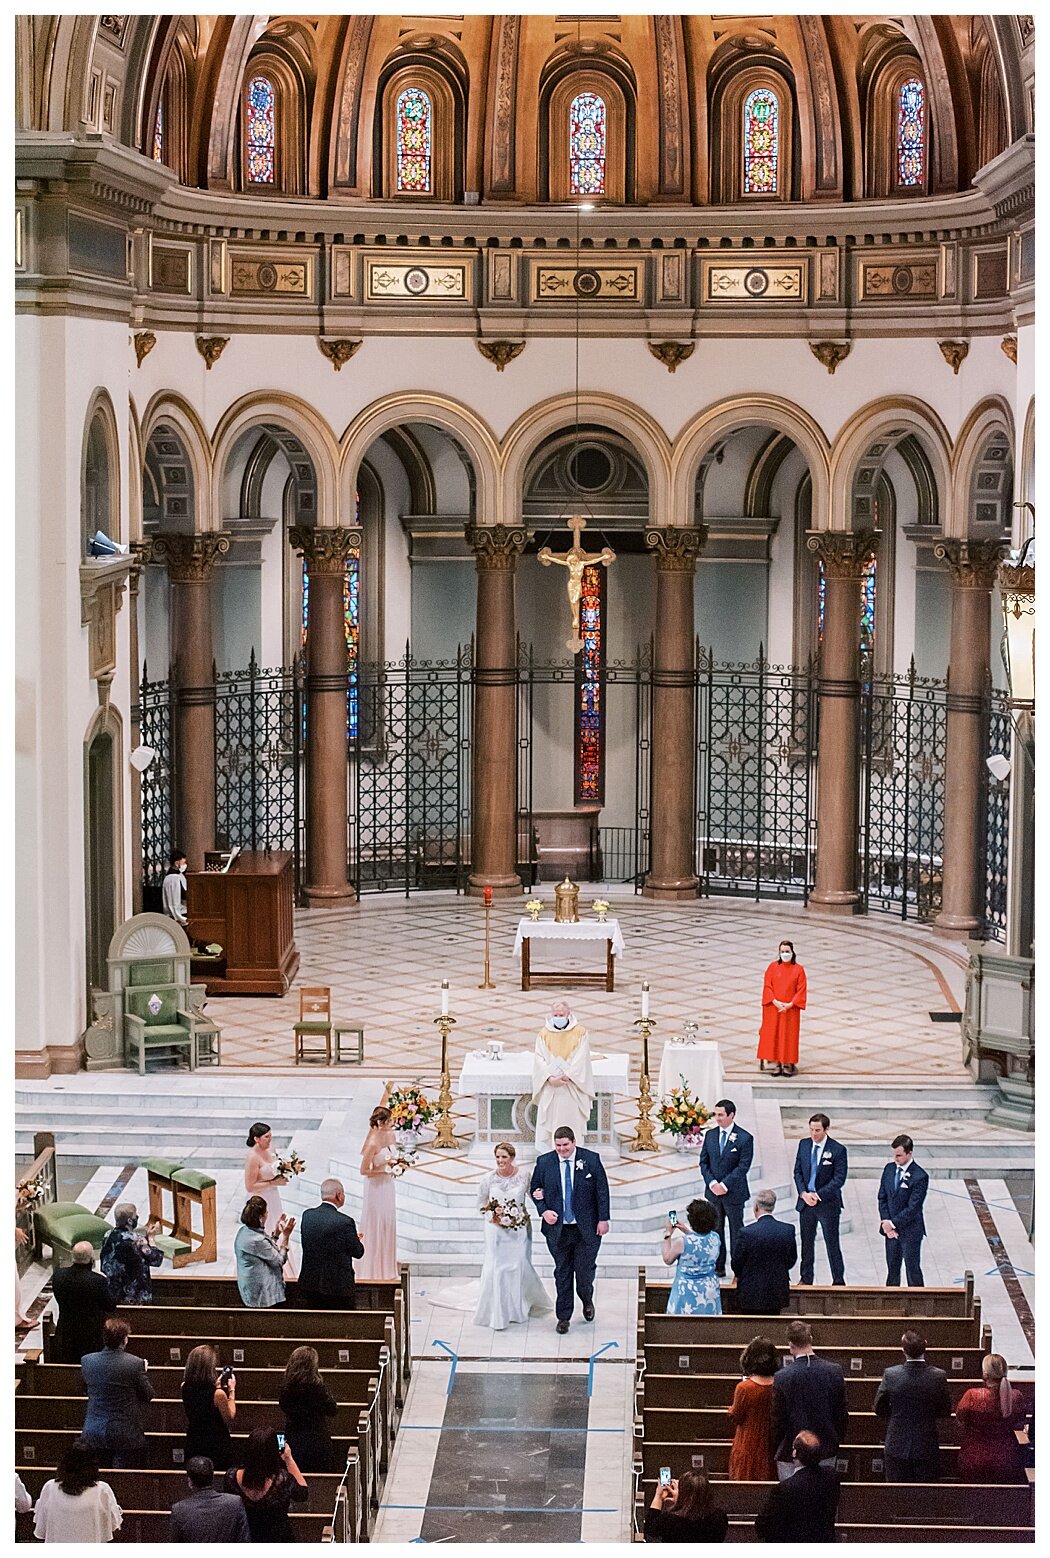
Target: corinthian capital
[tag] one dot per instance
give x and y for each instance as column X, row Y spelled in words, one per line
column 677, row 547
column 325, row 548
column 973, row 564
column 496, row 546
column 189, row 558
column 844, row 553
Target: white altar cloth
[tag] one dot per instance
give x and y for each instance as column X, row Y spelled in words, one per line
column 569, row 930
column 513, row 1074
column 504, row 1110
column 701, row 1065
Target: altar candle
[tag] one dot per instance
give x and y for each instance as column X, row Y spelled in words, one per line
column 488, row 897
column 645, row 998
column 444, row 998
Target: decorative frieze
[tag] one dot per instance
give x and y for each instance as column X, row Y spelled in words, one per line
column 672, row 277
column 255, row 275
column 990, row 273
column 602, row 281
column 171, row 269
column 502, row 277
column 743, row 281
column 419, row 280
column 892, row 281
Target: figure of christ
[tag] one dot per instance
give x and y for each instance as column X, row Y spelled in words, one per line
column 576, row 560
column 562, row 1081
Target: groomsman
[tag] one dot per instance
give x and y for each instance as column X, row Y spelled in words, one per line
column 725, row 1157
column 901, row 1196
column 820, row 1173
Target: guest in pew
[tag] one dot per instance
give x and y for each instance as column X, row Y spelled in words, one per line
column 913, row 1395
column 118, row 1393
column 694, row 1255
column 307, row 1404
column 330, row 1246
column 75, row 1506
column 809, row 1395
column 127, row 1256
column 902, row 1192
column 988, row 1416
column 820, row 1172
column 209, row 1397
column 269, row 1482
column 84, row 1300
column 751, row 1458
column 684, row 1510
column 763, row 1255
column 205, row 1514
column 802, row 1507
column 23, row 1501
column 261, row 1257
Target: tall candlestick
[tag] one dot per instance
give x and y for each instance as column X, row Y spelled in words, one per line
column 645, row 998
column 444, row 998
column 446, row 1136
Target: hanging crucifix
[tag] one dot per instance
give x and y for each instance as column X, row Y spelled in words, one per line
column 576, row 560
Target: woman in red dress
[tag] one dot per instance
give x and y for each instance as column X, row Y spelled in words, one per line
column 783, row 997
column 987, row 1417
column 751, row 1458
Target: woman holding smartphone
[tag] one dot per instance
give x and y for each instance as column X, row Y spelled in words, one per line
column 269, row 1482
column 683, row 1510
column 695, row 1290
column 209, row 1398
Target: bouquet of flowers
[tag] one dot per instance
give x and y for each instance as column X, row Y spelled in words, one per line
column 290, row 1165
column 29, row 1193
column 410, row 1108
column 683, row 1115
column 399, row 1163
column 601, row 908
column 506, row 1214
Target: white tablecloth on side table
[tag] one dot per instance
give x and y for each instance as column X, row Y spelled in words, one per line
column 699, row 1063
column 569, row 930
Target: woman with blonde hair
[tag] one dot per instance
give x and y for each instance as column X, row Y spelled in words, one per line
column 378, row 1201
column 988, row 1416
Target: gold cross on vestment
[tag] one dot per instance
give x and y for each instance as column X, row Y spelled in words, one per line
column 576, row 560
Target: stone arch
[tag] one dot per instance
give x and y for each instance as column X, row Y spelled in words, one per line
column 453, row 418
column 861, row 446
column 167, row 410
column 100, row 436
column 288, row 414
column 982, row 470
column 697, row 437
column 1026, row 469
column 644, row 435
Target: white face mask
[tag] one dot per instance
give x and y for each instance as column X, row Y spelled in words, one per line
column 559, row 1022
column 785, row 957
column 182, row 868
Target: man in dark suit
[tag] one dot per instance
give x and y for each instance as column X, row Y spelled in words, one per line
column 725, row 1157
column 117, row 1393
column 570, row 1188
column 820, row 1173
column 205, row 1514
column 802, row 1507
column 330, row 1246
column 84, row 1301
column 808, row 1393
column 901, row 1196
column 913, row 1395
column 763, row 1255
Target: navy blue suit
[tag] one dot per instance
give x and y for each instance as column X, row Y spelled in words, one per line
column 903, row 1208
column 763, row 1256
column 832, row 1167
column 574, row 1246
column 728, row 1168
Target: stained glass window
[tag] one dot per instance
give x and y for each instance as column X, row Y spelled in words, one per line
column 351, row 630
column 867, row 612
column 158, row 134
column 587, row 151
column 261, row 131
column 761, row 142
column 911, row 133
column 590, row 675
column 415, row 127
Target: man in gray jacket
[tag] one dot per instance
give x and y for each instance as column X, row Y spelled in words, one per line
column 205, row 1514
column 117, row 1392
column 913, row 1395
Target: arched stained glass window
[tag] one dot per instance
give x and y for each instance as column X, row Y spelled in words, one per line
column 867, row 613
column 761, row 142
column 911, row 133
column 261, row 133
column 587, row 144
column 158, row 133
column 415, row 136
column 351, row 624
column 590, row 703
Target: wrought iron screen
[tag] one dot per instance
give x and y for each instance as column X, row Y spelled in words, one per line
column 258, row 726
column 903, row 733
column 158, row 785
column 997, row 822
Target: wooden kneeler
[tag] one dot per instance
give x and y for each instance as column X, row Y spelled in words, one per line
column 184, row 1246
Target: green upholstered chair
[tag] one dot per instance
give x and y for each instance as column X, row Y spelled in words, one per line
column 155, row 1023
column 61, row 1224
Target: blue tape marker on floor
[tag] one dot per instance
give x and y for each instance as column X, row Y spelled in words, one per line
column 1008, row 1268
column 591, row 1362
column 455, row 1360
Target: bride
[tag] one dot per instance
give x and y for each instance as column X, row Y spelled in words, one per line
column 510, row 1288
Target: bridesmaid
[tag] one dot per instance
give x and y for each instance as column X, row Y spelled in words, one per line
column 260, row 1173
column 378, row 1202
column 783, row 998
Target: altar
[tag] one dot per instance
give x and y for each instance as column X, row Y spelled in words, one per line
column 606, row 932
column 503, row 1090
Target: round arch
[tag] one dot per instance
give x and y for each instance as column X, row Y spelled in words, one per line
column 869, row 435
column 181, row 417
column 453, row 418
column 100, row 414
column 644, row 435
column 294, row 416
column 700, row 435
column 1026, row 469
column 989, row 420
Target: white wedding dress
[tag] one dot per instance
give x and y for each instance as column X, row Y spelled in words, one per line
column 509, row 1290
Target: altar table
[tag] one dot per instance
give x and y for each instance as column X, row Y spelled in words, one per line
column 607, row 931
column 503, row 1089
column 701, row 1065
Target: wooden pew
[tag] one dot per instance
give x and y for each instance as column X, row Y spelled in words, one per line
column 713, row 1390
column 805, row 1303
column 829, row 1331
column 959, row 1363
column 744, row 1531
column 670, row 1424
column 257, row 1352
column 898, row 1504
column 856, row 1462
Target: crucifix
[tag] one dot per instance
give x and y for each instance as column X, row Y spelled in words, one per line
column 576, row 560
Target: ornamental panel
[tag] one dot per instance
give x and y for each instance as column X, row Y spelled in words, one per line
column 171, row 269
column 742, row 281
column 254, row 274
column 601, row 281
column 989, row 279
column 895, row 281
column 419, row 280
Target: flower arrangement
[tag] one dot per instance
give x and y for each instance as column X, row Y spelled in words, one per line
column 289, row 1165
column 410, row 1108
column 600, row 907
column 683, row 1115
column 506, row 1214
column 533, row 908
column 399, row 1163
column 29, row 1193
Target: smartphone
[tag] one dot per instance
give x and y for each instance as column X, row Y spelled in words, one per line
column 672, row 1218
column 225, row 1374
column 280, row 1442
column 665, row 1476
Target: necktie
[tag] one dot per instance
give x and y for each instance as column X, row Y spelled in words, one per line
column 898, row 1183
column 813, row 1166
column 567, row 1212
column 721, row 1142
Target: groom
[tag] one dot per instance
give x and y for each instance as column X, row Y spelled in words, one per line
column 571, row 1190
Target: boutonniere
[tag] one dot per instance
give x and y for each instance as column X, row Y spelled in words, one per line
column 827, row 1157
column 732, row 1136
column 904, row 1181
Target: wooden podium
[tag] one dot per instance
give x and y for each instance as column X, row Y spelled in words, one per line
column 248, row 911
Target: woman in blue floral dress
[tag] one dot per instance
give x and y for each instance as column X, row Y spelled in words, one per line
column 127, row 1256
column 695, row 1290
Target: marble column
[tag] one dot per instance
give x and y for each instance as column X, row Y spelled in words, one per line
column 844, row 554
column 140, row 553
column 973, row 566
column 496, row 550
column 190, row 560
column 672, row 798
column 325, row 551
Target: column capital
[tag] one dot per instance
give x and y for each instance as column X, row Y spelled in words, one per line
column 676, row 547
column 325, row 548
column 973, row 564
column 844, row 553
column 496, row 546
column 189, row 558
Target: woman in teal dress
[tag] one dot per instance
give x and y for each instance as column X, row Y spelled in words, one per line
column 695, row 1290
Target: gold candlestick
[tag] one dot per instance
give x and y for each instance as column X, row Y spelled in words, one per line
column 643, row 1136
column 487, row 983
column 446, row 1136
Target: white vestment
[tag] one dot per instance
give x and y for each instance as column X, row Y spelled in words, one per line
column 562, row 1052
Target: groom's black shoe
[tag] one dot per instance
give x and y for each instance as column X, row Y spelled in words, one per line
column 562, row 1327
column 588, row 1311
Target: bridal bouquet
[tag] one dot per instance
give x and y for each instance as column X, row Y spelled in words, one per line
column 289, row 1166
column 506, row 1214
column 399, row 1163
column 28, row 1193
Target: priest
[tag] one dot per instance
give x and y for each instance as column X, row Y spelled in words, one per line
column 562, row 1080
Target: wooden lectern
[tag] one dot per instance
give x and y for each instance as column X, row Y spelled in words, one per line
column 248, row 911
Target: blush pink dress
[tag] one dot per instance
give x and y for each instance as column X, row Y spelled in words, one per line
column 379, row 1226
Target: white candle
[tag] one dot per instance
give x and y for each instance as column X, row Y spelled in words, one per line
column 645, row 998
column 444, row 998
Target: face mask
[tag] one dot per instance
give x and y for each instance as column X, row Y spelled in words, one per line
column 559, row 1022
column 785, row 957
column 182, row 869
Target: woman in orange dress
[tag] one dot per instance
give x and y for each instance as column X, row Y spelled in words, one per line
column 987, row 1416
column 751, row 1458
column 783, row 997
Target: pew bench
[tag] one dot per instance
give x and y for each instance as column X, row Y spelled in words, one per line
column 670, row 1424
column 941, row 1334
column 716, row 1390
column 744, row 1531
column 809, row 1302
column 856, row 1462
column 901, row 1505
column 959, row 1363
